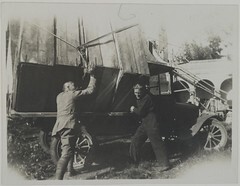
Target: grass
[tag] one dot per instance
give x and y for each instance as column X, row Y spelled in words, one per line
column 27, row 157
column 146, row 169
column 181, row 162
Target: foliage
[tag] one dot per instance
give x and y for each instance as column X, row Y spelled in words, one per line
column 214, row 45
column 148, row 170
column 27, row 157
column 25, row 154
column 195, row 51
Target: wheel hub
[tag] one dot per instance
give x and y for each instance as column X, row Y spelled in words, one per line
column 210, row 135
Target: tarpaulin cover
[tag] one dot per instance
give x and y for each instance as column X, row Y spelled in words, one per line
column 120, row 58
column 39, row 85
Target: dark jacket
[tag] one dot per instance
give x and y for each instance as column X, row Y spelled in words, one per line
column 146, row 111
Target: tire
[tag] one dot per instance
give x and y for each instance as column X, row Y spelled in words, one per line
column 215, row 135
column 84, row 145
column 45, row 140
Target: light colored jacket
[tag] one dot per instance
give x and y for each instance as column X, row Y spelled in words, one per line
column 66, row 108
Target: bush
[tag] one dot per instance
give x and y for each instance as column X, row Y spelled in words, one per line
column 25, row 153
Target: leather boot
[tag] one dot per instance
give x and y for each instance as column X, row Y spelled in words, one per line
column 61, row 168
column 70, row 171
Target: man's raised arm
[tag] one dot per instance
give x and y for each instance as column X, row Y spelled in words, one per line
column 90, row 88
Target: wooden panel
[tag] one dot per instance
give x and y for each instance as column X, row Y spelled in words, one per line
column 103, row 51
column 14, row 29
column 132, row 51
column 126, row 52
column 107, row 45
column 62, row 56
column 138, row 47
column 94, row 52
column 67, row 29
column 37, row 44
column 108, row 51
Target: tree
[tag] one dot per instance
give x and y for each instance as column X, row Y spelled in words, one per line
column 214, row 44
column 195, row 51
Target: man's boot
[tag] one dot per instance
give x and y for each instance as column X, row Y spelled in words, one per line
column 61, row 168
column 70, row 170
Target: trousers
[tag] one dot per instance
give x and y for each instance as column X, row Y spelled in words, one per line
column 68, row 139
column 151, row 131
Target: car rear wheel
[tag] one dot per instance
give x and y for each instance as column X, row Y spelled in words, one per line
column 84, row 145
column 215, row 135
column 45, row 140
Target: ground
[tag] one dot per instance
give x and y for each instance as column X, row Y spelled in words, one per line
column 27, row 160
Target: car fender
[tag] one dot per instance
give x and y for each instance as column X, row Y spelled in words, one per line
column 200, row 121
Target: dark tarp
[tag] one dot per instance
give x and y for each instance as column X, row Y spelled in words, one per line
column 39, row 85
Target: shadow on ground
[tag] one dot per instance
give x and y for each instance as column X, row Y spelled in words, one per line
column 112, row 157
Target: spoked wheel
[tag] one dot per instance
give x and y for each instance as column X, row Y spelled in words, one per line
column 82, row 149
column 83, row 146
column 216, row 135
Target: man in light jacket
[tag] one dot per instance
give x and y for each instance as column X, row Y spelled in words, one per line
column 67, row 126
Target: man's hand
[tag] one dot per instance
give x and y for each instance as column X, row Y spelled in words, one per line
column 90, row 69
column 132, row 108
column 81, row 49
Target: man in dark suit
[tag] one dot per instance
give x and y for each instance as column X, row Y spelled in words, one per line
column 149, row 128
column 66, row 125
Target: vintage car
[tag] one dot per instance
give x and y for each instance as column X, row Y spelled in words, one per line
column 42, row 64
column 106, row 112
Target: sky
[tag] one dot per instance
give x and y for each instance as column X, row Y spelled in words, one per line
column 183, row 23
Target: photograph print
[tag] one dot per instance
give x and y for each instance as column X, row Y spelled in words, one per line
column 119, row 92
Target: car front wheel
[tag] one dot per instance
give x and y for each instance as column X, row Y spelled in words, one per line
column 215, row 135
